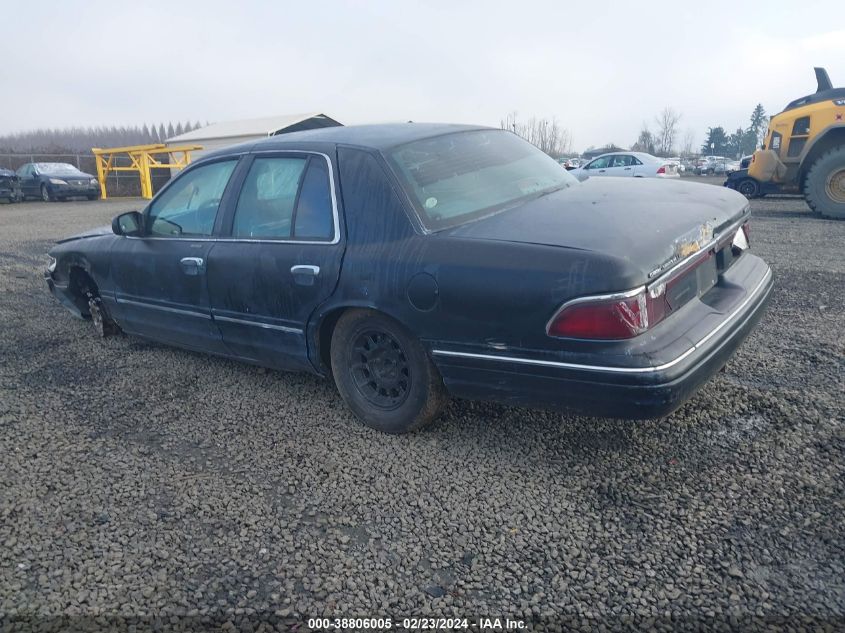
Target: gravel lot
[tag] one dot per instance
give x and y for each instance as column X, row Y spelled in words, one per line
column 142, row 481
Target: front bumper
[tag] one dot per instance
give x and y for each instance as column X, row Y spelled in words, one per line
column 66, row 297
column 70, row 191
column 649, row 387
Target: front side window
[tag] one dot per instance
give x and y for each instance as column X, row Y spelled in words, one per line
column 600, row 163
column 189, row 205
column 457, row 177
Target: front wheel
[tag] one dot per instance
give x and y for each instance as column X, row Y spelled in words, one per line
column 824, row 186
column 45, row 194
column 100, row 318
column 384, row 374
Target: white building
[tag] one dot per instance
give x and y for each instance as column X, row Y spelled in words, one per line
column 218, row 135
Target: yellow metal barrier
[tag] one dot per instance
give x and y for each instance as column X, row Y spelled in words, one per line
column 143, row 158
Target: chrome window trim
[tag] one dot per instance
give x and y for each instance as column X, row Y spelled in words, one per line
column 663, row 278
column 611, row 369
column 262, row 154
column 153, row 306
column 266, row 326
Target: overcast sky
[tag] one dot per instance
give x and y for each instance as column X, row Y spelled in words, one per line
column 599, row 68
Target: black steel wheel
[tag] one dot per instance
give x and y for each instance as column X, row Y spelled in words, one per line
column 748, row 187
column 384, row 374
column 380, row 371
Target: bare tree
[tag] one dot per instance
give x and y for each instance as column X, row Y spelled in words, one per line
column 667, row 130
column 645, row 141
column 546, row 134
column 689, row 142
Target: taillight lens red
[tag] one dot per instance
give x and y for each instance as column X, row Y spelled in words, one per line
column 610, row 319
column 662, row 170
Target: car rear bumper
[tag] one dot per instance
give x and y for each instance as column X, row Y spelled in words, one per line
column 650, row 387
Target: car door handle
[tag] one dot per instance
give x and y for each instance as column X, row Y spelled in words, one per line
column 627, row 169
column 192, row 265
column 304, row 274
column 302, row 269
column 601, row 171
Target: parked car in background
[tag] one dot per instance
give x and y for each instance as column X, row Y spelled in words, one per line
column 712, row 165
column 627, row 164
column 677, row 163
column 10, row 189
column 732, row 166
column 454, row 260
column 56, row 181
column 572, row 163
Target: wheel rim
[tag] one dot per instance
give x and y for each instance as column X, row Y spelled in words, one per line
column 45, row 194
column 835, row 186
column 380, row 369
column 96, row 316
column 747, row 189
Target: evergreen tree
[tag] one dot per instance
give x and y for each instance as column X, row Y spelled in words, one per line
column 758, row 125
column 716, row 142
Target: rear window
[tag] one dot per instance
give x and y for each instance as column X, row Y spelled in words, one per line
column 457, row 177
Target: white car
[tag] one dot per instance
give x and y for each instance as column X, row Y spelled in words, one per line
column 630, row 164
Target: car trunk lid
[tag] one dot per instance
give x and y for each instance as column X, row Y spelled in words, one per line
column 651, row 224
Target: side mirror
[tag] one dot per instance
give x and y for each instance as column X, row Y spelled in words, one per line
column 128, row 224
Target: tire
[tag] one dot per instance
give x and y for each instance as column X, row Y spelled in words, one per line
column 384, row 374
column 748, row 187
column 45, row 194
column 824, row 186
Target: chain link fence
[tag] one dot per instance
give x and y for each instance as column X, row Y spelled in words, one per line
column 118, row 184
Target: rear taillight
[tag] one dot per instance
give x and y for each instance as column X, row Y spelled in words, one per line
column 610, row 318
column 662, row 170
column 741, row 241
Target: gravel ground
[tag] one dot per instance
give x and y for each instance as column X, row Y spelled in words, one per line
column 144, row 482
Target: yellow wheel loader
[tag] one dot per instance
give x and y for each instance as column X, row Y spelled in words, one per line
column 804, row 151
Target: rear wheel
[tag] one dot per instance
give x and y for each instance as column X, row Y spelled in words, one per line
column 824, row 186
column 748, row 187
column 384, row 374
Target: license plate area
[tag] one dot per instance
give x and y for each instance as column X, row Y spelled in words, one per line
column 693, row 284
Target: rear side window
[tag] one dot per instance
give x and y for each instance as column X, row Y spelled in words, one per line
column 285, row 198
column 314, row 219
column 268, row 198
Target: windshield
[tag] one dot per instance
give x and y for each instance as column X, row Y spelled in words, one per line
column 457, row 177
column 56, row 168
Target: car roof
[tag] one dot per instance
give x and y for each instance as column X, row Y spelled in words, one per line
column 642, row 155
column 377, row 136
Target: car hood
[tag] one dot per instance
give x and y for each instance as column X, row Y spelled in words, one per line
column 649, row 223
column 102, row 230
column 66, row 176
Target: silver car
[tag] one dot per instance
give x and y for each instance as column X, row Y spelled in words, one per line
column 630, row 164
